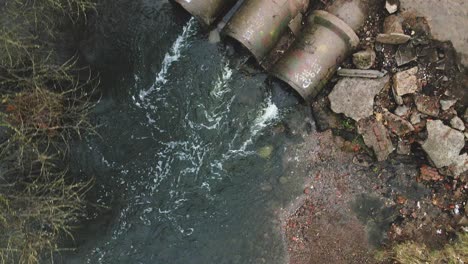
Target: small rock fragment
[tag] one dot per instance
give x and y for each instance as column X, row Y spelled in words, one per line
column 406, row 82
column 443, row 147
column 403, row 148
column 364, row 59
column 446, row 104
column 391, row 6
column 393, row 32
column 396, row 124
column 214, row 36
column 376, row 136
column 429, row 174
column 457, row 123
column 398, row 99
column 465, row 116
column 405, row 54
column 415, row 118
column 428, row 105
column 401, row 110
column 393, row 38
column 354, row 97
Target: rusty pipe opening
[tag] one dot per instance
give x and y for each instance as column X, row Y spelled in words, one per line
column 326, row 40
column 206, row 11
column 259, row 25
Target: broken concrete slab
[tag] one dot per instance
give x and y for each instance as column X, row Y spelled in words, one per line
column 447, row 20
column 354, row 97
column 364, row 59
column 428, row 105
column 376, row 136
column 396, row 124
column 443, row 146
column 457, row 123
column 446, row 104
column 406, row 82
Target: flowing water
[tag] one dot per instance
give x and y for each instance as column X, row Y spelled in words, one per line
column 177, row 163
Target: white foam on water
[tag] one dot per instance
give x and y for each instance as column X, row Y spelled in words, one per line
column 221, row 85
column 173, row 55
column 265, row 117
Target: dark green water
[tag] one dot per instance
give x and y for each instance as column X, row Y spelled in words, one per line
column 177, row 163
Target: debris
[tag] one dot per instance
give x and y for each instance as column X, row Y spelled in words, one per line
column 405, row 54
column 401, row 110
column 415, row 118
column 362, row 160
column 406, row 82
column 446, row 104
column 214, row 36
column 371, row 74
column 401, row 199
column 428, row 105
column 429, row 174
column 376, row 136
column 443, row 146
column 465, row 116
column 391, row 6
column 323, row 116
column 398, row 99
column 364, row 59
column 393, row 32
column 354, row 97
column 403, row 148
column 457, row 123
column 396, row 124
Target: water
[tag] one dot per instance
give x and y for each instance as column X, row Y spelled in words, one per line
column 176, row 163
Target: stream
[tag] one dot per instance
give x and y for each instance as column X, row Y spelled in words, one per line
column 177, row 165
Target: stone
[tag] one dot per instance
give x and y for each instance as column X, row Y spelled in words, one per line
column 401, row 110
column 354, row 97
column 443, row 147
column 265, row 152
column 376, row 136
column 396, row 124
column 406, row 82
column 355, row 73
column 429, row 174
column 457, row 123
column 405, row 54
column 393, row 38
column 415, row 118
column 364, row 59
column 403, row 148
column 393, row 32
column 391, row 6
column 465, row 116
column 428, row 105
column 214, row 36
column 398, row 99
column 446, row 104
column 283, row 180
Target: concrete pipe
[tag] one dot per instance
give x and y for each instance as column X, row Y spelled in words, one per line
column 207, row 11
column 326, row 40
column 259, row 24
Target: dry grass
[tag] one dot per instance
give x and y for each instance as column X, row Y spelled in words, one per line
column 43, row 106
column 412, row 253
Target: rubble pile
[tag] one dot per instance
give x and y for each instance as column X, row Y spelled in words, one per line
column 416, row 103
